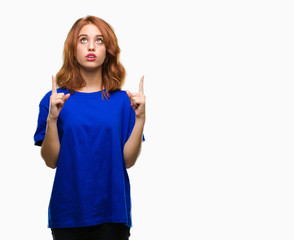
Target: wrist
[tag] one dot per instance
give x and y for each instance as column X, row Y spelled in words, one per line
column 141, row 119
column 51, row 120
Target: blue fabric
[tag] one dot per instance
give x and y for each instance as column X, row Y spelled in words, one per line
column 91, row 184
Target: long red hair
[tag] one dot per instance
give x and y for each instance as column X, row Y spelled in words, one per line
column 113, row 72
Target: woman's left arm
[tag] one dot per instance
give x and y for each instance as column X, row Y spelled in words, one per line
column 132, row 147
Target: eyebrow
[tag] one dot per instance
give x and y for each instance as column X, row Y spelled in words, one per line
column 87, row 35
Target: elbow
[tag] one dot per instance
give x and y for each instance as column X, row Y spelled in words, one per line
column 53, row 166
column 129, row 165
column 130, row 160
column 47, row 161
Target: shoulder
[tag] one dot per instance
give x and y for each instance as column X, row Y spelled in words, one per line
column 120, row 94
column 46, row 98
column 59, row 90
column 120, row 98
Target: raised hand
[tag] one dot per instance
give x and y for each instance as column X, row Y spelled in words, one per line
column 138, row 100
column 57, row 101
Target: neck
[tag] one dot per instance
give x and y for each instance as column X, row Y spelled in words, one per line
column 93, row 80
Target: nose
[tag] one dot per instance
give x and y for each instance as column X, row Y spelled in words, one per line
column 91, row 46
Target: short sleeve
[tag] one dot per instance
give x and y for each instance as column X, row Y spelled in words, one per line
column 42, row 121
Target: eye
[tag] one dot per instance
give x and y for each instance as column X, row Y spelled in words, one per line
column 83, row 40
column 99, row 40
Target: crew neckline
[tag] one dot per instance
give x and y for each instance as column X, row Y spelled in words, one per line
column 88, row 93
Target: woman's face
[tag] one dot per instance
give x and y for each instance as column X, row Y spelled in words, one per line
column 91, row 50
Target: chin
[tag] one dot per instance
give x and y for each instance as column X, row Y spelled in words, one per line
column 90, row 67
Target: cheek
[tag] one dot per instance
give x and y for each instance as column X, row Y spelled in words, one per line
column 79, row 52
column 102, row 52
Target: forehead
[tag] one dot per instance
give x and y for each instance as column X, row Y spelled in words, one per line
column 90, row 29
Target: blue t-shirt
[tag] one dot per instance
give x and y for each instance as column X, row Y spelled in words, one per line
column 91, row 184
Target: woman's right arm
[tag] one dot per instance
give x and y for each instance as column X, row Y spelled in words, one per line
column 51, row 145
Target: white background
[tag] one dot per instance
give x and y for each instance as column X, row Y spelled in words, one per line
column 218, row 158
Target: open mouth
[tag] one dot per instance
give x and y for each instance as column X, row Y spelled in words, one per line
column 91, row 57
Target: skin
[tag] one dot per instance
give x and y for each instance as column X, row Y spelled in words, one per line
column 132, row 147
column 91, row 41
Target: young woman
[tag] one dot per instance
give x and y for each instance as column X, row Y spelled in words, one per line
column 91, row 132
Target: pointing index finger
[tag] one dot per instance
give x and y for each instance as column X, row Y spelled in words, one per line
column 141, row 88
column 54, row 89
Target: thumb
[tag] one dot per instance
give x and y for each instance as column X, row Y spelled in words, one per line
column 66, row 97
column 129, row 94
